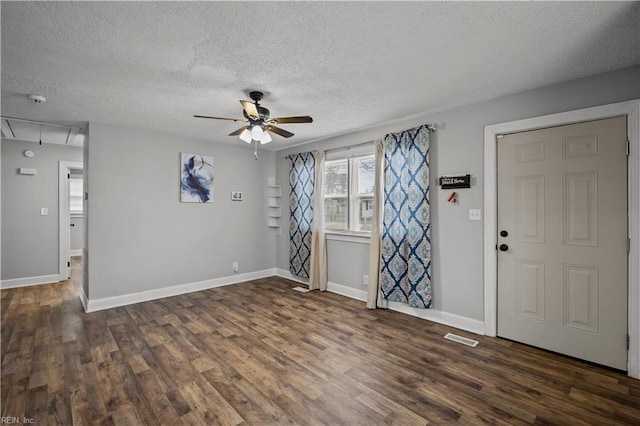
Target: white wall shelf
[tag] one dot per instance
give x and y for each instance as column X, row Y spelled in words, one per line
column 274, row 193
column 275, row 211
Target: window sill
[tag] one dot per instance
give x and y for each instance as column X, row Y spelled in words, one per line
column 348, row 237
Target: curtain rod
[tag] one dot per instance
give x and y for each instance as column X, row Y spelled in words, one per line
column 432, row 128
column 343, row 148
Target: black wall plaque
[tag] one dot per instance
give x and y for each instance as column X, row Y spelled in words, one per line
column 453, row 182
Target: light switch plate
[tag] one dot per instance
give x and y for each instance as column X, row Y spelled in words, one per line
column 44, row 211
column 475, row 214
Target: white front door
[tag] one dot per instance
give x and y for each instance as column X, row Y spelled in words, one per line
column 562, row 240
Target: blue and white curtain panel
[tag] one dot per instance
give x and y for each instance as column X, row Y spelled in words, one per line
column 302, row 181
column 405, row 261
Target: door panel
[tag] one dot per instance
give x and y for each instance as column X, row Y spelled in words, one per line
column 581, row 209
column 562, row 198
column 530, row 208
column 530, row 288
column 581, row 297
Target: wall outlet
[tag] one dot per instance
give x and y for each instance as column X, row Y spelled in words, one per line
column 365, row 280
column 235, row 266
column 44, row 211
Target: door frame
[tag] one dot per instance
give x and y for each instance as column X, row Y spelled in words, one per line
column 64, row 221
column 632, row 110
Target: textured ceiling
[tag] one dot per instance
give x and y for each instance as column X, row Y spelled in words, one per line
column 348, row 65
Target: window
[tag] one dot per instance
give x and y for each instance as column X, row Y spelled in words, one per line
column 348, row 193
column 75, row 197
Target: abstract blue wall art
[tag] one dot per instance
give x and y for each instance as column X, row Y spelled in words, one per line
column 196, row 183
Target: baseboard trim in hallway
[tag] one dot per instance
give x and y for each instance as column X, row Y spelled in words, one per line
column 27, row 281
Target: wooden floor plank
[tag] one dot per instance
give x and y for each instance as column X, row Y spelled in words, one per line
column 259, row 353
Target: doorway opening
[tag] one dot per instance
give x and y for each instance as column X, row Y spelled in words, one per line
column 71, row 217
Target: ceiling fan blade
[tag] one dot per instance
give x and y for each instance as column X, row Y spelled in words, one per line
column 287, row 120
column 237, row 120
column 279, row 131
column 251, row 109
column 237, row 132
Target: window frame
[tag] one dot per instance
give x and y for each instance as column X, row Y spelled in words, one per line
column 353, row 195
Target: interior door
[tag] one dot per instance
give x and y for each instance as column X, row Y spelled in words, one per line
column 562, row 237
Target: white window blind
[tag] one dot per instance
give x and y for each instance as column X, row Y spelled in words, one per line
column 75, row 196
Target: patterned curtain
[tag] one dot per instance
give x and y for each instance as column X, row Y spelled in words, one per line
column 301, row 180
column 318, row 264
column 374, row 295
column 405, row 262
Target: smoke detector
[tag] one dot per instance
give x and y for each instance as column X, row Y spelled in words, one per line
column 37, row 99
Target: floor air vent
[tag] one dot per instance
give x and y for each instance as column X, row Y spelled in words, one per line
column 301, row 289
column 460, row 339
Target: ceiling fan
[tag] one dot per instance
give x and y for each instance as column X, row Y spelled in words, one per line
column 258, row 122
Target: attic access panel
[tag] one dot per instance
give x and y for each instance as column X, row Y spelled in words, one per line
column 30, row 131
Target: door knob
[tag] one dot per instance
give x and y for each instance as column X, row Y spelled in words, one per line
column 504, row 247
column 503, row 233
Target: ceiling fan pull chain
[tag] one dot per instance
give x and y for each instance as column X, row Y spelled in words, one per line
column 255, row 150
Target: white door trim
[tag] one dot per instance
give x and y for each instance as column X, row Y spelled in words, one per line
column 632, row 110
column 64, row 222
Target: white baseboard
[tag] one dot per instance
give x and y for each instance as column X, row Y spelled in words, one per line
column 77, row 252
column 83, row 299
column 451, row 320
column 344, row 290
column 288, row 275
column 446, row 318
column 27, row 281
column 93, row 305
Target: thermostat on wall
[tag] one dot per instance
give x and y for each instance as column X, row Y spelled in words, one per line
column 25, row 171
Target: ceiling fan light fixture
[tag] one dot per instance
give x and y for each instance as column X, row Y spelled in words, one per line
column 246, row 136
column 257, row 123
column 256, row 133
column 266, row 138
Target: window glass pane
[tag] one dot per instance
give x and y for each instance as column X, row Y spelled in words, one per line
column 75, row 195
column 335, row 178
column 348, row 194
column 335, row 213
column 365, row 213
column 366, row 174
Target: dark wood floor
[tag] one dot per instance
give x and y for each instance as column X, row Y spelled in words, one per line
column 259, row 353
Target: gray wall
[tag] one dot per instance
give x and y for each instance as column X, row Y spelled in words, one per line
column 458, row 147
column 141, row 237
column 30, row 241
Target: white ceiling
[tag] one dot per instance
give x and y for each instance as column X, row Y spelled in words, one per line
column 348, row 65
